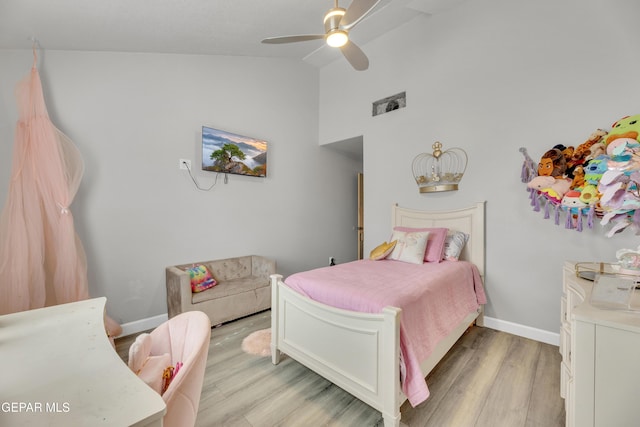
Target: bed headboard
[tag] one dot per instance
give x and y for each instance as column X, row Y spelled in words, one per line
column 469, row 220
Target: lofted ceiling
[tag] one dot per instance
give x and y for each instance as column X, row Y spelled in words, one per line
column 212, row 27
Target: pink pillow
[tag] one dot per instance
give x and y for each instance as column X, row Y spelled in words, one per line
column 435, row 243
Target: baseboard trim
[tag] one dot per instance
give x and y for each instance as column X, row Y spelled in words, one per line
column 142, row 325
column 522, row 331
column 547, row 337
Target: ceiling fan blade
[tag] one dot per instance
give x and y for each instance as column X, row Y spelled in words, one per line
column 356, row 12
column 292, row 39
column 355, row 56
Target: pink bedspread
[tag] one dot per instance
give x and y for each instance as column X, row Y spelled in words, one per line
column 434, row 298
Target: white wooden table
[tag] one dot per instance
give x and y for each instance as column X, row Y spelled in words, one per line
column 58, row 368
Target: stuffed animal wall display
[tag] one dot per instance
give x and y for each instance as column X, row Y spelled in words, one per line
column 599, row 178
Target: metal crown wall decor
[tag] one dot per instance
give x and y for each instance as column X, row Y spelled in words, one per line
column 440, row 170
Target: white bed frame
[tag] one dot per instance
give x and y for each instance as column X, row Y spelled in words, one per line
column 360, row 352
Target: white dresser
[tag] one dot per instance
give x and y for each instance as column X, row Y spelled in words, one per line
column 600, row 370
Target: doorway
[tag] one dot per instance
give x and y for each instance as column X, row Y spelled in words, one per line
column 352, row 148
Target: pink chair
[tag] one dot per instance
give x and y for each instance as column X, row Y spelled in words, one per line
column 186, row 338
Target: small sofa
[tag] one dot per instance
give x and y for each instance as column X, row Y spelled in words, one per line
column 243, row 288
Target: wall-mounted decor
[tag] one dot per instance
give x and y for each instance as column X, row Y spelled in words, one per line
column 440, row 170
column 390, row 103
column 228, row 152
column 599, row 178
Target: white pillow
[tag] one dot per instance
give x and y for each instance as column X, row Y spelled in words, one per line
column 453, row 245
column 410, row 246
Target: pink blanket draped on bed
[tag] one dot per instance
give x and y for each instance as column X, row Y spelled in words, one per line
column 434, row 298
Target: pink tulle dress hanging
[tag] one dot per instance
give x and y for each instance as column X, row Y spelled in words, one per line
column 42, row 261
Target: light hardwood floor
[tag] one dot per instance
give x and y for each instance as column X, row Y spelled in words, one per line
column 489, row 378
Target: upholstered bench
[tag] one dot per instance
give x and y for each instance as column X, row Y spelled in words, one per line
column 243, row 288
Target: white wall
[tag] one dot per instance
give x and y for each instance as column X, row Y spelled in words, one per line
column 491, row 76
column 134, row 115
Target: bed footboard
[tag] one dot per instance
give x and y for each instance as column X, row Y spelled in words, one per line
column 359, row 352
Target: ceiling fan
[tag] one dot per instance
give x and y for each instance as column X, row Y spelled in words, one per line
column 338, row 21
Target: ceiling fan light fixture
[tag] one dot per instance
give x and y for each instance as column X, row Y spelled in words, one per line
column 337, row 38
column 336, row 32
column 334, row 15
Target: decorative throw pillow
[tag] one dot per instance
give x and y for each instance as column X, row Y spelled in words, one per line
column 435, row 243
column 410, row 246
column 201, row 278
column 382, row 251
column 453, row 245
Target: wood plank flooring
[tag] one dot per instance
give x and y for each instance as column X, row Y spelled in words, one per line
column 489, row 379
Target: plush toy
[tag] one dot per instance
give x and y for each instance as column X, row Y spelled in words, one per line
column 589, row 194
column 624, row 153
column 583, row 150
column 552, row 188
column 567, row 152
column 598, row 149
column 540, row 182
column 559, row 188
column 619, row 200
column 552, row 163
column 622, row 146
column 618, row 186
column 612, row 185
column 628, row 127
column 594, row 169
column 574, row 206
column 571, row 200
column 578, row 177
column 620, row 190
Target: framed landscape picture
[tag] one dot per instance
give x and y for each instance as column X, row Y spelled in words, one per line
column 228, row 152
